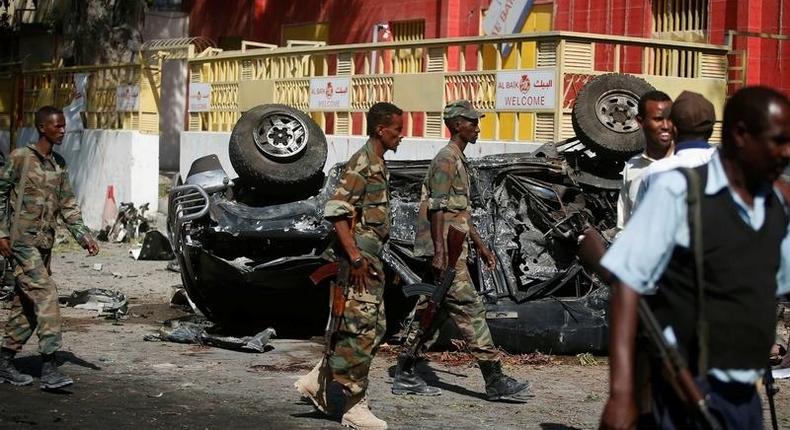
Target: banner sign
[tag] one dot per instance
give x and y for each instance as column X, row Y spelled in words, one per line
column 526, row 90
column 199, row 97
column 127, row 98
column 331, row 93
column 506, row 17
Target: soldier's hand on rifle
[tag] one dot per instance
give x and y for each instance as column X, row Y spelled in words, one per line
column 620, row 413
column 358, row 276
column 92, row 247
column 5, row 247
column 488, row 257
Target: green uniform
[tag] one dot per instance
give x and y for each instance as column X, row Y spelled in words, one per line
column 446, row 189
column 363, row 192
column 46, row 194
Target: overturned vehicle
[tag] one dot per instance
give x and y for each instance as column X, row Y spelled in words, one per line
column 247, row 246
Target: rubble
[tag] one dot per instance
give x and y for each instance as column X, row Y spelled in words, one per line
column 98, row 299
column 198, row 330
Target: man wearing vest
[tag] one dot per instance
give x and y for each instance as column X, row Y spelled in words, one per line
column 360, row 211
column 746, row 254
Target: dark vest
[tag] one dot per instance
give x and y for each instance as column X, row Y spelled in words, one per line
column 740, row 267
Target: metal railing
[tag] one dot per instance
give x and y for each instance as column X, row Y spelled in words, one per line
column 422, row 75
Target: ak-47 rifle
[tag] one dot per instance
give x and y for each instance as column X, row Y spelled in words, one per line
column 592, row 246
column 436, row 294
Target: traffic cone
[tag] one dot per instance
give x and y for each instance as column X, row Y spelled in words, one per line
column 110, row 209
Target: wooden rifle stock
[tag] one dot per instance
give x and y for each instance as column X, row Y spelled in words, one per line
column 455, row 246
column 592, row 247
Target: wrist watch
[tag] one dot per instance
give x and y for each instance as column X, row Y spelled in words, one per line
column 357, row 262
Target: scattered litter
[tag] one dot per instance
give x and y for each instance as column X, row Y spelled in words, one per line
column 181, row 300
column 98, row 299
column 196, row 329
column 156, row 396
column 155, row 247
column 129, row 224
column 287, row 367
column 117, row 275
column 587, row 359
column 173, row 266
column 97, row 267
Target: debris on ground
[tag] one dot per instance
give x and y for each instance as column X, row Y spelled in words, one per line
column 97, row 267
column 98, row 299
column 180, row 300
column 283, row 367
column 155, row 247
column 129, row 224
column 173, row 266
column 587, row 359
column 198, row 330
column 461, row 356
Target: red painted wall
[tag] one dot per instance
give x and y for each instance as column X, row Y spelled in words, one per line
column 350, row 21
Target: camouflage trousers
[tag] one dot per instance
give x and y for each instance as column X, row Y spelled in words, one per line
column 35, row 305
column 462, row 304
column 360, row 333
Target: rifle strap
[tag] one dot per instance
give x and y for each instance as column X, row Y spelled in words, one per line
column 694, row 204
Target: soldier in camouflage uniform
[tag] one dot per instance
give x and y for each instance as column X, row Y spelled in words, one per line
column 34, row 191
column 360, row 212
column 445, row 202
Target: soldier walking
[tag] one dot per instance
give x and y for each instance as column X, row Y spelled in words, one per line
column 445, row 202
column 361, row 216
column 35, row 191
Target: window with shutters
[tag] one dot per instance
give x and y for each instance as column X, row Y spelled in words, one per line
column 681, row 20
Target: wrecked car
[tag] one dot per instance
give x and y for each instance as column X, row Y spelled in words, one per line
column 248, row 245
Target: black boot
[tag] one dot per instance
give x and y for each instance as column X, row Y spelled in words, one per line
column 51, row 378
column 500, row 386
column 9, row 373
column 407, row 381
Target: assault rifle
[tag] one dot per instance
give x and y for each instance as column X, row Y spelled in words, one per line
column 436, row 294
column 592, row 246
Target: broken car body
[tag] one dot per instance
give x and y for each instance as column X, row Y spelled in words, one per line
column 246, row 250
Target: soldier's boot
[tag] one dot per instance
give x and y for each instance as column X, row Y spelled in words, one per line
column 9, row 373
column 309, row 385
column 501, row 387
column 358, row 415
column 407, row 381
column 51, row 378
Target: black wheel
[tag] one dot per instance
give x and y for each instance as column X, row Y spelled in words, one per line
column 604, row 115
column 277, row 144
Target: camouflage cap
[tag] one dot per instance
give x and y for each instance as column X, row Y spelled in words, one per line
column 461, row 108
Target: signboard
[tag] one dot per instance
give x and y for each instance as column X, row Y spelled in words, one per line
column 526, row 90
column 127, row 98
column 506, row 17
column 199, row 97
column 330, row 93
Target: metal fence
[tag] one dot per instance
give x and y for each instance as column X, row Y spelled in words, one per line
column 420, row 76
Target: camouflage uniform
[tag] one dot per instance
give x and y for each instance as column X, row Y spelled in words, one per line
column 47, row 194
column 363, row 192
column 446, row 189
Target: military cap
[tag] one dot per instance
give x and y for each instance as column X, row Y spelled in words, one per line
column 461, row 108
column 692, row 114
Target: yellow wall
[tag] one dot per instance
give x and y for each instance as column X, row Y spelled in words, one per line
column 539, row 19
column 318, row 32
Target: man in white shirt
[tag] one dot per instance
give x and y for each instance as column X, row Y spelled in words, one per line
column 653, row 116
column 693, row 117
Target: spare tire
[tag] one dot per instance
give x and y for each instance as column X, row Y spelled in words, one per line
column 604, row 115
column 277, row 144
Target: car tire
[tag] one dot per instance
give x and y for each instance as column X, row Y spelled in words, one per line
column 277, row 144
column 604, row 115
